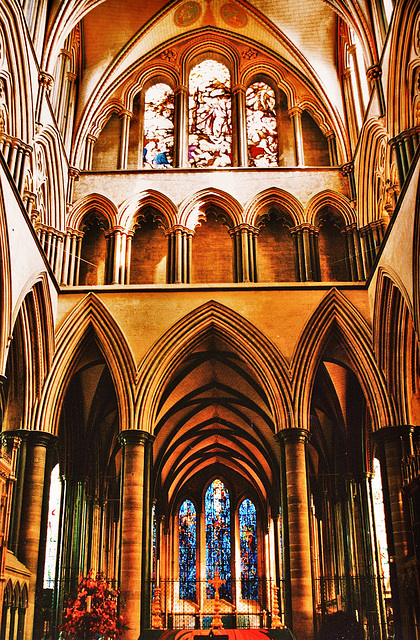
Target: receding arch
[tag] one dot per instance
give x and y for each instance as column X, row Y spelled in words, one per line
column 334, row 200
column 164, row 207
column 191, row 209
column 273, row 197
column 93, row 201
column 255, row 348
column 335, row 313
column 89, row 314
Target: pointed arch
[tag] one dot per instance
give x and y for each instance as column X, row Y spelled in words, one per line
column 48, row 143
column 5, row 287
column 89, row 314
column 99, row 203
column 252, row 345
column 396, row 344
column 22, row 115
column 337, row 314
column 190, row 210
column 370, row 171
column 274, row 197
column 334, row 200
column 130, row 208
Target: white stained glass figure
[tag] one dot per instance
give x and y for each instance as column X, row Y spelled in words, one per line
column 210, row 123
column 261, row 125
column 158, row 142
column 53, row 524
column 378, row 508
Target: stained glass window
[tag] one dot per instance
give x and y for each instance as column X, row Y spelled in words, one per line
column 210, row 124
column 218, row 554
column 158, row 142
column 187, row 551
column 378, row 509
column 248, row 545
column 261, row 125
column 53, row 525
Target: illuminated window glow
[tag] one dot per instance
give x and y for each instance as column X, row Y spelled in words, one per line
column 158, row 143
column 248, row 546
column 378, row 508
column 187, row 551
column 210, row 125
column 53, row 525
column 218, row 554
column 261, row 124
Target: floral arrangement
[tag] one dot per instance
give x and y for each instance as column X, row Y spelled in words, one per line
column 93, row 613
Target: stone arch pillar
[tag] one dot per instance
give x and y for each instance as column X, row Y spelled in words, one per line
column 135, row 528
column 294, row 442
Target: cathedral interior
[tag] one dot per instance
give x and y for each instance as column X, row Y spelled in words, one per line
column 210, row 315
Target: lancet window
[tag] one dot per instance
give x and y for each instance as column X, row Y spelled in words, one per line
column 248, row 546
column 210, row 121
column 261, row 125
column 158, row 141
column 187, row 551
column 218, row 538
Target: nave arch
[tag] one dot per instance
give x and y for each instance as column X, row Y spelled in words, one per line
column 335, row 315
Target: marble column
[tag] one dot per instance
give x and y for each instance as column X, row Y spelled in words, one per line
column 133, row 443
column 33, row 507
column 294, row 442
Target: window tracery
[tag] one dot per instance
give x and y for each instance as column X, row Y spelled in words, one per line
column 210, row 122
column 261, row 125
column 218, row 538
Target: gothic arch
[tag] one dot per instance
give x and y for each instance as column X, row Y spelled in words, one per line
column 331, row 199
column 192, row 210
column 96, row 202
column 21, row 108
column 335, row 313
column 396, row 345
column 47, row 143
column 130, row 208
column 274, row 197
column 147, row 77
column 5, row 287
column 371, row 172
column 89, row 314
column 257, row 350
column 416, row 264
column 400, row 114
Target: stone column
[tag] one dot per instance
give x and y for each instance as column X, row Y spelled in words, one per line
column 73, row 177
column 374, row 74
column 181, row 127
column 147, row 569
column 332, row 148
column 90, row 143
column 125, row 117
column 45, row 85
column 241, row 147
column 294, row 442
column 33, row 505
column 295, row 114
column 390, row 453
column 133, row 443
column 305, row 239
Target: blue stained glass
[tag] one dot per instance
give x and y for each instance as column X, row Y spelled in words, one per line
column 248, row 539
column 218, row 554
column 154, row 545
column 187, row 551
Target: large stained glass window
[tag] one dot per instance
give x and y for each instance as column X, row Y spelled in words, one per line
column 261, row 125
column 158, row 142
column 187, row 551
column 248, row 546
column 218, row 553
column 210, row 123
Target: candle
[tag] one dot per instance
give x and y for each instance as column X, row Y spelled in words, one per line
column 88, row 603
column 157, row 573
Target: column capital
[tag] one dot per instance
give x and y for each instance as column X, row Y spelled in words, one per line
column 393, row 433
column 239, row 88
column 181, row 89
column 74, row 173
column 295, row 111
column 134, row 437
column 374, row 72
column 46, row 80
column 293, row 435
column 126, row 113
column 39, row 438
column 347, row 168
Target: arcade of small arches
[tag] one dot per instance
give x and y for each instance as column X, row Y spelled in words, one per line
column 150, row 247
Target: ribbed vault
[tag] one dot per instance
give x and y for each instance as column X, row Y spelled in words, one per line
column 214, row 418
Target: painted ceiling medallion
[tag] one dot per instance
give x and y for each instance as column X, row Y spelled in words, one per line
column 187, row 14
column 234, row 15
